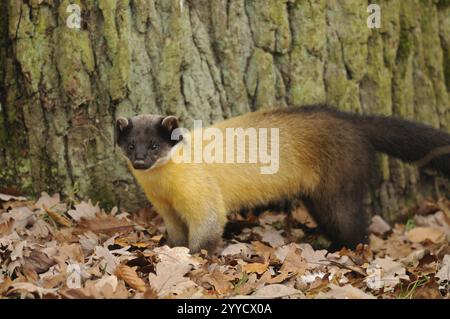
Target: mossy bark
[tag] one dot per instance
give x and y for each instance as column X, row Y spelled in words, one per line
column 62, row 88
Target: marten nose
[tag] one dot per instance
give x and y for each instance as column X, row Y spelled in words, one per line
column 139, row 164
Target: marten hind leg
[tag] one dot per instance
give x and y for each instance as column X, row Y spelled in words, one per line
column 341, row 216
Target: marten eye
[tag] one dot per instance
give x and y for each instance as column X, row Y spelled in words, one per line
column 154, row 146
column 131, row 147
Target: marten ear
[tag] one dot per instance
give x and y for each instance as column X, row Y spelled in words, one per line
column 170, row 123
column 122, row 124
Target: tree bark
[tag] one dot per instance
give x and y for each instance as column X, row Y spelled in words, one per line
column 62, row 88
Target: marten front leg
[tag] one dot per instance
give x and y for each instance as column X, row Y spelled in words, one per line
column 205, row 224
column 176, row 228
column 205, row 233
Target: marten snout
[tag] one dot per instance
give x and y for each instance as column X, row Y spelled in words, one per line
column 139, row 164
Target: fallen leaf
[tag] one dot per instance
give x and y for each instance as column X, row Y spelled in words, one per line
column 444, row 272
column 31, row 288
column 58, row 218
column 413, row 259
column 263, row 250
column 379, row 226
column 345, row 292
column 237, row 249
column 6, row 227
column 169, row 278
column 421, row 234
column 258, row 268
column 84, row 210
column 176, row 255
column 277, row 291
column 105, row 224
column 38, row 262
column 314, row 258
column 270, row 236
column 302, row 215
column 52, row 202
column 109, row 260
column 219, row 280
column 130, row 277
column 385, row 273
column 7, row 198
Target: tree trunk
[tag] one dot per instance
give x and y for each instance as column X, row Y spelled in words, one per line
column 62, row 88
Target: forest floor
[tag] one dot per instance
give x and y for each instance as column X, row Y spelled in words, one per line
column 52, row 249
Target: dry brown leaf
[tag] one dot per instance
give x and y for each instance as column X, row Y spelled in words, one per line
column 219, row 280
column 84, row 210
column 379, row 226
column 6, row 227
column 277, row 291
column 258, row 268
column 105, row 224
column 397, row 249
column 7, row 198
column 345, row 292
column 169, row 278
column 444, row 272
column 237, row 249
column 314, row 258
column 127, row 241
column 376, row 243
column 270, row 236
column 422, row 234
column 58, row 218
column 31, row 288
column 302, row 215
column 283, row 276
column 38, row 262
column 263, row 250
column 294, row 262
column 52, row 202
column 130, row 277
column 385, row 273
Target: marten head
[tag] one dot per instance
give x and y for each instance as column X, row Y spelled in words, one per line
column 146, row 139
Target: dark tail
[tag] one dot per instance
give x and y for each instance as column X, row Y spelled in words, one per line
column 409, row 141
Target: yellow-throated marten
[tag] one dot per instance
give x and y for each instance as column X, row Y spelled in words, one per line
column 325, row 156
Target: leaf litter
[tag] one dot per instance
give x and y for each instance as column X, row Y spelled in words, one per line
column 50, row 249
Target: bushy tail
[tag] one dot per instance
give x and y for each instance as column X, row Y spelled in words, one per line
column 409, row 141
